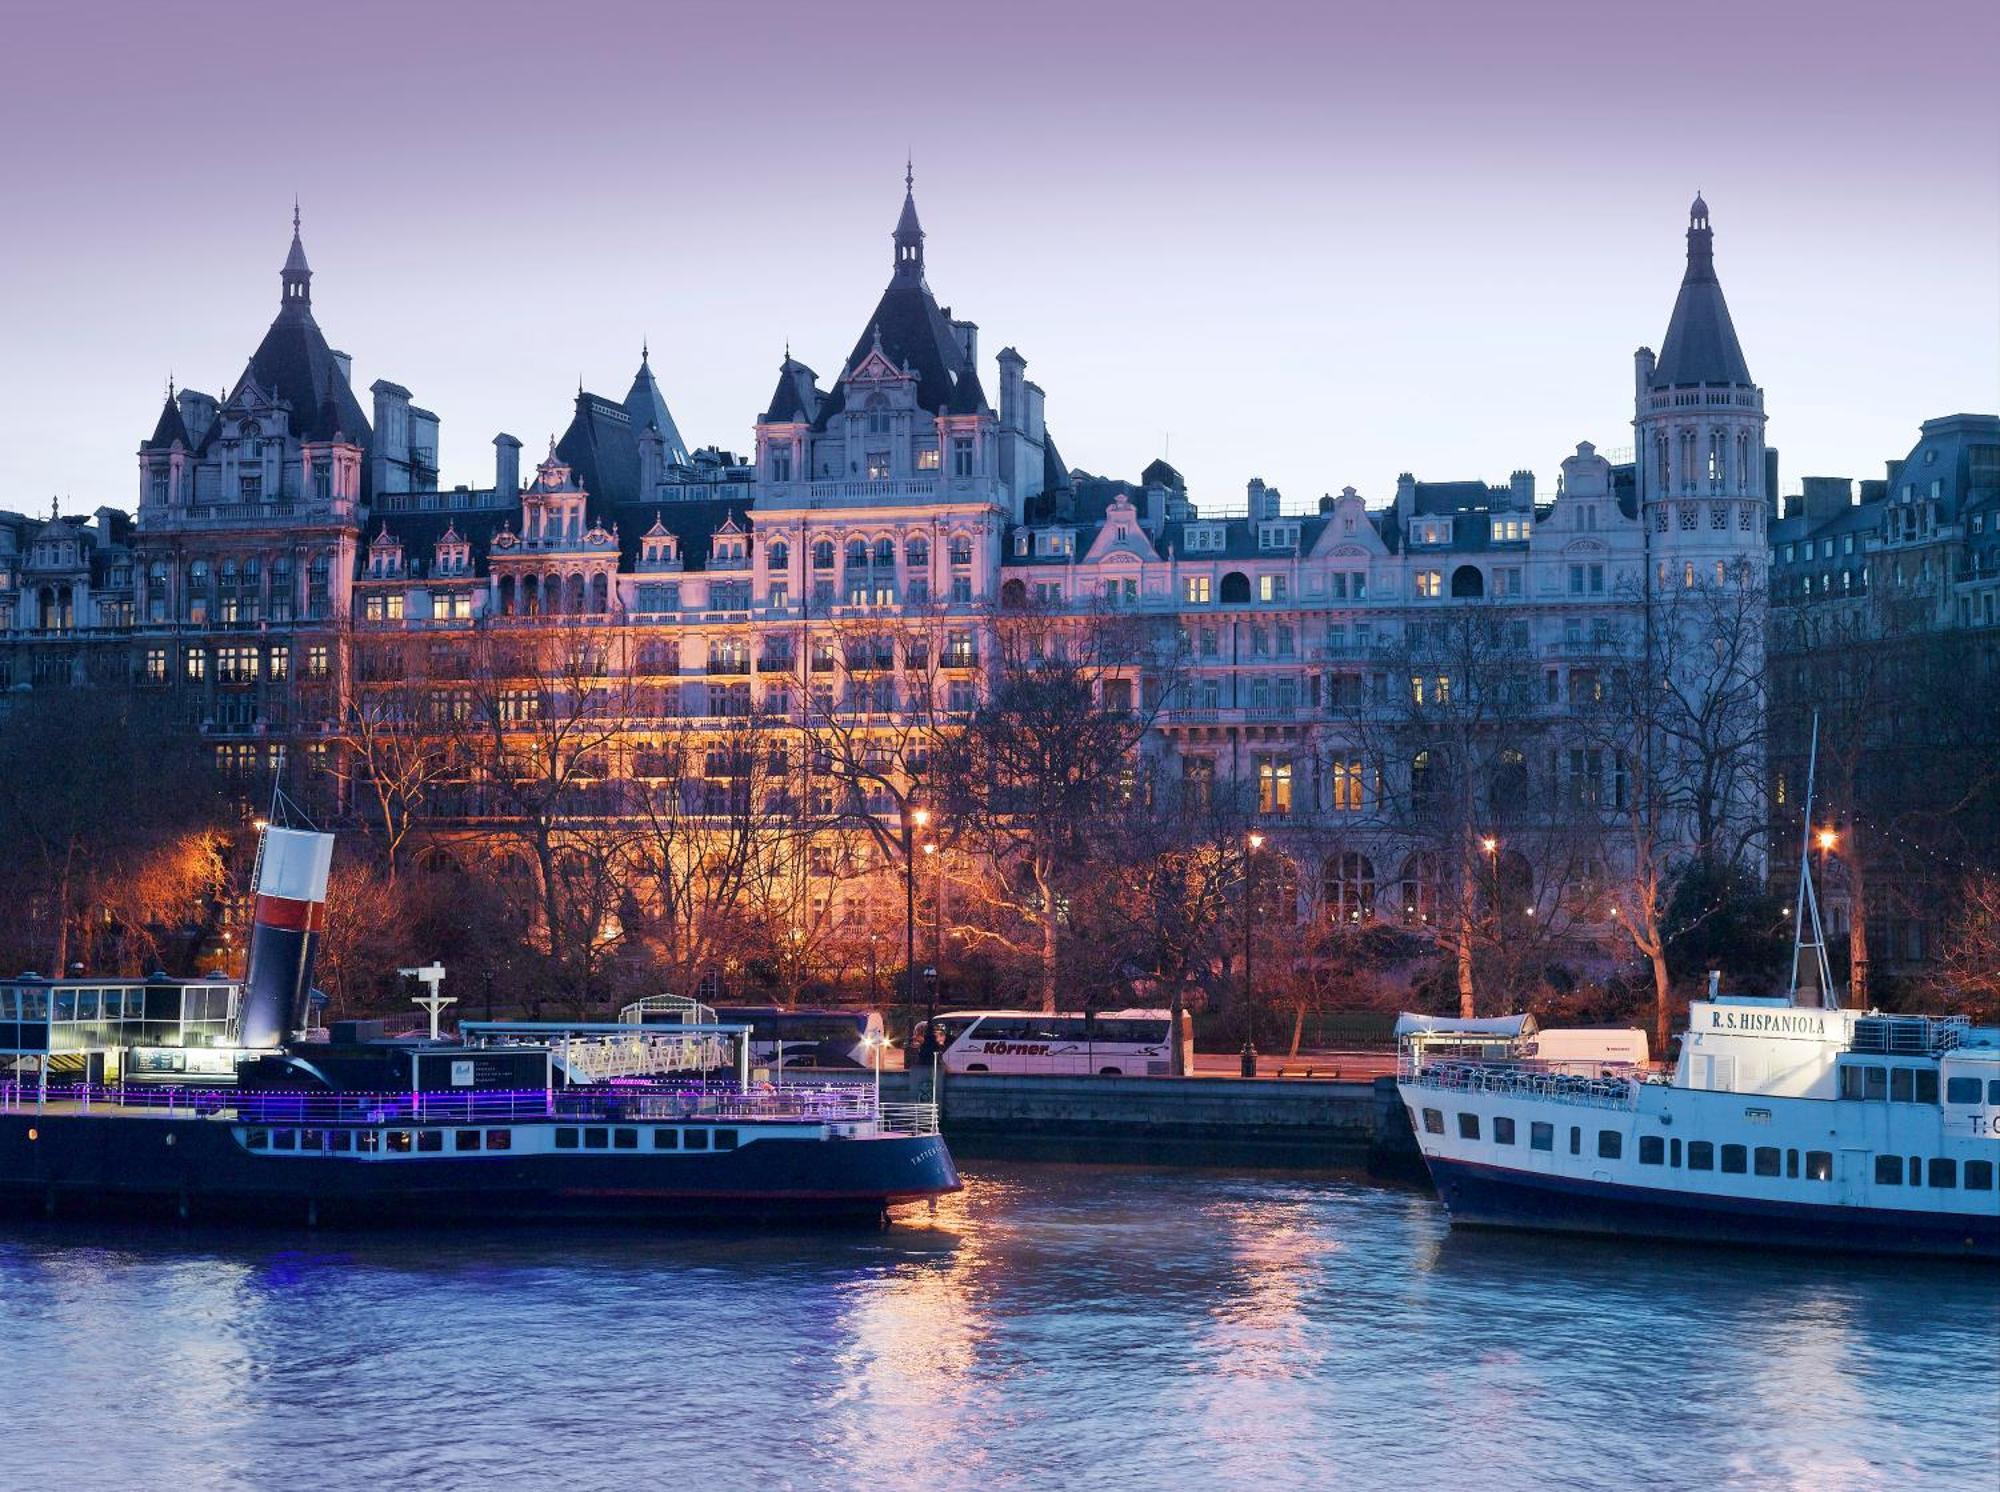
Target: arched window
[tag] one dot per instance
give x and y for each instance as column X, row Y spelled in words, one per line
column 1349, row 887
column 777, row 555
column 1423, row 888
column 506, row 595
column 1425, row 779
column 600, row 593
column 552, row 594
column 531, row 596
column 573, row 602
column 1468, row 580
column 917, row 553
column 885, row 552
column 823, row 555
column 1013, row 596
column 1235, row 588
column 857, row 553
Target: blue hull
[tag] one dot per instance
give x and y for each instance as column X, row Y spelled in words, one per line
column 1490, row 1197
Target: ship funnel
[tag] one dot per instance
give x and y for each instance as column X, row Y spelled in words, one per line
column 292, row 867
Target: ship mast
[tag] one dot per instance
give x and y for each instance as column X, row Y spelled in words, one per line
column 1806, row 913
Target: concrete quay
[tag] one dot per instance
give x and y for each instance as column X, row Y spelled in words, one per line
column 1292, row 1123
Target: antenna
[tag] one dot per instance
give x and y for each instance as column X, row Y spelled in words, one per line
column 1807, row 911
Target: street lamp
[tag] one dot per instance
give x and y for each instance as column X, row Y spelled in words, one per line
column 1256, row 842
column 1827, row 840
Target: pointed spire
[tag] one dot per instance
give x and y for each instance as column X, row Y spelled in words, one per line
column 909, row 233
column 296, row 276
column 1700, row 345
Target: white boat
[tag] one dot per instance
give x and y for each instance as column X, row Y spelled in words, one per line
column 1779, row 1124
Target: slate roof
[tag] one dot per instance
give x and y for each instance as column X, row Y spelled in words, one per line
column 797, row 397
column 916, row 335
column 648, row 410
column 293, row 363
column 1701, row 345
column 601, row 447
column 171, row 428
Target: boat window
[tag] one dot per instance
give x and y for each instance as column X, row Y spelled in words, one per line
column 1944, row 1171
column 1433, row 1121
column 1961, row 1090
column 1503, row 1130
column 1468, row 1126
column 725, row 1139
column 1979, row 1175
column 312, row 1139
column 1676, row 1153
column 1610, row 1144
column 1541, row 1136
column 666, row 1139
column 1652, row 1150
column 625, row 1139
column 465, row 1139
column 499, row 1139
column 1734, row 1159
column 1701, row 1155
column 1901, row 1080
column 1888, row 1170
column 368, row 1139
column 1916, row 1170
column 1927, row 1087
column 1765, row 1161
column 697, row 1139
column 565, row 1138
column 1819, row 1165
column 1993, row 1093
column 343, row 1140
column 1575, row 1140
column 430, row 1139
column 256, row 1139
column 284, row 1139
column 399, row 1141
column 597, row 1139
column 1792, row 1165
column 1852, row 1080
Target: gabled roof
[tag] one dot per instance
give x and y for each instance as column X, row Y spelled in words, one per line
column 1701, row 345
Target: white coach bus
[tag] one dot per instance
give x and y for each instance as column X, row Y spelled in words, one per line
column 1109, row 1043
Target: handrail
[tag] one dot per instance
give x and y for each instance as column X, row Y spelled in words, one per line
column 1475, row 1077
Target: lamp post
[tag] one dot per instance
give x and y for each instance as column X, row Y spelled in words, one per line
column 1256, row 842
column 875, row 1044
column 913, row 820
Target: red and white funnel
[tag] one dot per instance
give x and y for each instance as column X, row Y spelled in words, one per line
column 284, row 934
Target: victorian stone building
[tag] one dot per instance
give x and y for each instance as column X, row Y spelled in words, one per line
column 284, row 532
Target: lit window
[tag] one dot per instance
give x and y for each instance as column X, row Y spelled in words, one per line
column 1197, row 590
column 1430, row 584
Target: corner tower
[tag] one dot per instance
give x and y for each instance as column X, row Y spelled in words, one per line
column 1699, row 423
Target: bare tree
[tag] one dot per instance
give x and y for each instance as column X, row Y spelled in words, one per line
column 545, row 710
column 1050, row 753
column 399, row 735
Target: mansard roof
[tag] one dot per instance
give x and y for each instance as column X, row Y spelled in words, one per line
column 601, row 447
column 171, row 427
column 1701, row 345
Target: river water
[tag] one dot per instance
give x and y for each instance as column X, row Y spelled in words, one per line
column 1052, row 1327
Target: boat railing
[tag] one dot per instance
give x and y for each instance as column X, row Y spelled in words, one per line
column 1910, row 1035
column 846, row 1104
column 1607, row 1090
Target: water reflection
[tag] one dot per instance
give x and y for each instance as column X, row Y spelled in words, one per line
column 1050, row 1327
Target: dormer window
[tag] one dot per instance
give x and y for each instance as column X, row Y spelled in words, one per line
column 1431, row 531
column 1510, row 530
column 1278, row 536
column 1204, row 537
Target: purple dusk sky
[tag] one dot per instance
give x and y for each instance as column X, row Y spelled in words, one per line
column 1321, row 244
